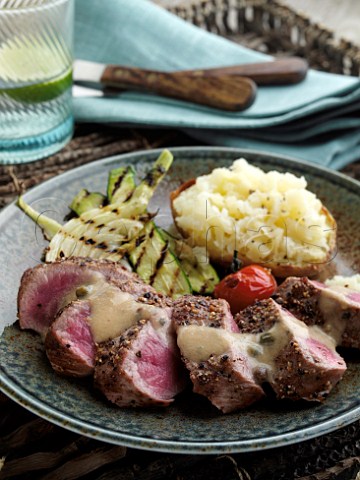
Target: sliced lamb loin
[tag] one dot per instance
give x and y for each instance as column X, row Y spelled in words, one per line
column 336, row 309
column 69, row 342
column 47, row 288
column 299, row 362
column 105, row 311
column 219, row 369
column 203, row 311
column 142, row 367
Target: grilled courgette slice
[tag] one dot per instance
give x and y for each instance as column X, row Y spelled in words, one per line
column 108, row 231
column 97, row 233
column 155, row 263
column 121, row 184
column 139, row 200
column 49, row 226
column 195, row 263
column 86, row 200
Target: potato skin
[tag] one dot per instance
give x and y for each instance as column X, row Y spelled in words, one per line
column 278, row 270
column 173, row 195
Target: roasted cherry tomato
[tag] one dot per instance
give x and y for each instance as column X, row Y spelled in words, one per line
column 245, row 286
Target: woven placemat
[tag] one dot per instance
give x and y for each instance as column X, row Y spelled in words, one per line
column 92, row 142
column 32, row 448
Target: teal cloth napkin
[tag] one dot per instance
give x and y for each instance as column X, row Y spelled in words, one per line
column 139, row 33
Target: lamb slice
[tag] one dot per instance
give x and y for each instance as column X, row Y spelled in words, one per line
column 335, row 308
column 47, row 288
column 142, row 367
column 203, row 311
column 104, row 312
column 69, row 342
column 298, row 361
column 219, row 368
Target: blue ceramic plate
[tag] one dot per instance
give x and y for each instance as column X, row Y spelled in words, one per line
column 191, row 424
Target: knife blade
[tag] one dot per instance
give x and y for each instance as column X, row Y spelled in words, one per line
column 82, row 91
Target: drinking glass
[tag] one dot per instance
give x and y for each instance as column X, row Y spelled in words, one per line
column 35, row 78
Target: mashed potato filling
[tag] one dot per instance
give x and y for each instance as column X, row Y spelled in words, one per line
column 267, row 217
column 353, row 282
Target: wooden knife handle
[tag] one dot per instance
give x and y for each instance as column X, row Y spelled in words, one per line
column 282, row 71
column 225, row 92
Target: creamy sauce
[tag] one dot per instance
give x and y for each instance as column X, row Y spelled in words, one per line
column 320, row 334
column 271, row 343
column 114, row 311
column 332, row 302
column 198, row 343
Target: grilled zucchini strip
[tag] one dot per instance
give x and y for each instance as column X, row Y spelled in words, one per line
column 49, row 226
column 156, row 264
column 98, row 233
column 86, row 200
column 108, row 232
column 139, row 200
column 137, row 204
column 195, row 263
column 121, row 185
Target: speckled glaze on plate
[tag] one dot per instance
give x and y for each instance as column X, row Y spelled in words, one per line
column 191, row 424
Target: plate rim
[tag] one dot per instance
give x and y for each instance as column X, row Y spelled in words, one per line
column 73, row 424
column 64, row 420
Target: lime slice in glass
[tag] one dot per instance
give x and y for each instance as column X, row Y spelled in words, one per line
column 34, row 69
column 40, row 92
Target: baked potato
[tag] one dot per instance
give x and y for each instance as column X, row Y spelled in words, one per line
column 269, row 218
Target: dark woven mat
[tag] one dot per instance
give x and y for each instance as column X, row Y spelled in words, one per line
column 33, row 449
column 92, row 142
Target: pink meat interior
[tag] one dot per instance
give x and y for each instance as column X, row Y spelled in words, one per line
column 354, row 297
column 324, row 353
column 44, row 296
column 77, row 334
column 318, row 284
column 158, row 367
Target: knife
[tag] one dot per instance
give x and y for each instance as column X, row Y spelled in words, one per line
column 226, row 92
column 282, row 71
